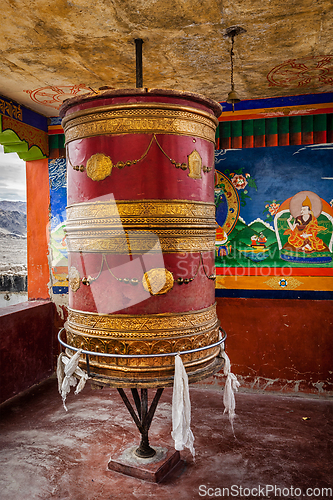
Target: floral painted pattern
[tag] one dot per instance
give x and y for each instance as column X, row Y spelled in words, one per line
column 241, row 181
column 271, row 209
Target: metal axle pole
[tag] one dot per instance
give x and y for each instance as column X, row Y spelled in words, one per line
column 144, row 418
column 138, row 55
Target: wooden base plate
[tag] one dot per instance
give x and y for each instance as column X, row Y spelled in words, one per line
column 153, row 469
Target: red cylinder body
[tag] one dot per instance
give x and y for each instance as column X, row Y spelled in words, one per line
column 141, row 232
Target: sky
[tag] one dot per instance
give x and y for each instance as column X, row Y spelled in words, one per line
column 12, row 177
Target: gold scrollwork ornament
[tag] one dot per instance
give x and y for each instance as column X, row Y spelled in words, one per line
column 157, row 281
column 194, row 165
column 74, row 279
column 99, row 166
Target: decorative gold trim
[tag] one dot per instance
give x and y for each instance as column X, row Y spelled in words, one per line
column 139, row 223
column 128, row 213
column 157, row 281
column 141, row 326
column 99, row 166
column 74, row 279
column 144, row 334
column 138, row 242
column 281, row 283
column 140, row 118
column 138, row 106
column 131, row 226
column 147, row 346
column 194, row 165
column 7, row 107
column 28, row 134
column 161, row 378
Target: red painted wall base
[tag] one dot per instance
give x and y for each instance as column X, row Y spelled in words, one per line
column 27, row 344
column 278, row 345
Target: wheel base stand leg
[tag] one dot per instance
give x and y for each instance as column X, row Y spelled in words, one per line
column 144, row 462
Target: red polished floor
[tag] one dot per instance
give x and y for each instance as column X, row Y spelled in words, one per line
column 283, row 447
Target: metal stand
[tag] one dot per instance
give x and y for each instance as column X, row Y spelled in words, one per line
column 144, row 417
column 143, row 462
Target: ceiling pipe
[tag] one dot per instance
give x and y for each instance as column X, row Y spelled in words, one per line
column 138, row 55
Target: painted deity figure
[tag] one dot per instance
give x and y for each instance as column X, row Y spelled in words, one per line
column 303, row 230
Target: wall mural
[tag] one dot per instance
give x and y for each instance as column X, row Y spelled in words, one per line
column 274, row 219
column 274, row 215
column 58, row 248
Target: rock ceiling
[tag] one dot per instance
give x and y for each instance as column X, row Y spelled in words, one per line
column 54, row 49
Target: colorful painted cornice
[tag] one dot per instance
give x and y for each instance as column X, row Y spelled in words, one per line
column 300, row 105
column 23, row 131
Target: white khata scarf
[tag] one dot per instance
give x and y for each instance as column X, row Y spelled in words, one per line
column 66, row 368
column 181, row 409
column 231, row 385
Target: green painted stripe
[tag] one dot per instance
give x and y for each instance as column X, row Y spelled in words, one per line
column 53, row 141
column 271, row 126
column 319, row 123
column 283, row 125
column 247, row 126
column 330, row 122
column 34, row 153
column 307, row 123
column 18, row 147
column 259, row 127
column 295, row 124
column 57, row 141
column 236, row 128
column 274, row 126
column 225, row 129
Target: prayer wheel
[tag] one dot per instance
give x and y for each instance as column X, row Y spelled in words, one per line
column 141, row 233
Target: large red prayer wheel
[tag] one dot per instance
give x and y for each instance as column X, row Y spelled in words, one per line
column 141, row 233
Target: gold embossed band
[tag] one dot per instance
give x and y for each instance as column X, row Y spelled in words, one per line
column 140, row 226
column 152, row 213
column 142, row 335
column 147, row 346
column 143, row 118
column 138, row 242
column 141, row 326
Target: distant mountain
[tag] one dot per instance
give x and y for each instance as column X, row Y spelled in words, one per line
column 13, row 221
column 259, row 225
column 240, row 224
column 240, row 236
column 11, row 206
